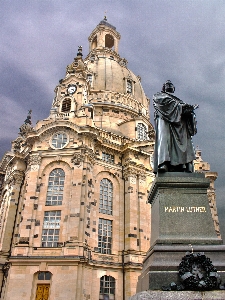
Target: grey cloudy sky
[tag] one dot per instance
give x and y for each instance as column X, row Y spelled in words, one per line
column 178, row 40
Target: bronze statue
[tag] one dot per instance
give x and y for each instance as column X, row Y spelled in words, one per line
column 175, row 124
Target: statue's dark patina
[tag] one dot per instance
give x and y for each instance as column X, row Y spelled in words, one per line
column 175, row 124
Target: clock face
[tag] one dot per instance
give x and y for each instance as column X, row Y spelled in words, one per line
column 72, row 89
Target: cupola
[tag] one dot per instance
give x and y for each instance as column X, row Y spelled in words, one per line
column 104, row 36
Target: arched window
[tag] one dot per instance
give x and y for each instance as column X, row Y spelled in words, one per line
column 107, row 288
column 106, row 196
column 66, row 105
column 55, row 187
column 141, row 132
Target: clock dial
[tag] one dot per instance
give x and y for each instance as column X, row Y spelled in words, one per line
column 72, row 89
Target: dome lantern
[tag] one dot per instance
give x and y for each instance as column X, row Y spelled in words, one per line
column 104, row 36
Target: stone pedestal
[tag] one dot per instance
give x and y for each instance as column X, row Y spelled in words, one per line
column 181, row 221
column 181, row 295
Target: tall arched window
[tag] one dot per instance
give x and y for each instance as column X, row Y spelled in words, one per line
column 106, row 196
column 141, row 132
column 107, row 288
column 55, row 187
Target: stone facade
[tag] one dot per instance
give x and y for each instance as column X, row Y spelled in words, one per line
column 74, row 219
column 74, row 211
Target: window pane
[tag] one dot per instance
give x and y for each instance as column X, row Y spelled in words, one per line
column 41, row 276
column 141, row 132
column 107, row 286
column 50, row 232
column 48, row 275
column 104, row 236
column 108, row 157
column 59, row 140
column 106, row 195
column 55, row 187
column 129, row 87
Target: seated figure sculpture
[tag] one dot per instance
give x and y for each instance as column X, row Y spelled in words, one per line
column 175, row 124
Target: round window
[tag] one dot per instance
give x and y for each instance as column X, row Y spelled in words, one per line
column 59, row 140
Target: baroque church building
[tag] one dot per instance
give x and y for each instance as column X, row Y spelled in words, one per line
column 74, row 218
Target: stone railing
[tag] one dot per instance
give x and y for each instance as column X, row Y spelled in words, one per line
column 114, row 98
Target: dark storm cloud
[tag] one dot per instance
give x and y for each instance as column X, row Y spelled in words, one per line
column 178, row 40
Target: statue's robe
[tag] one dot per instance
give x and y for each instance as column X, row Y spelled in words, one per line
column 173, row 141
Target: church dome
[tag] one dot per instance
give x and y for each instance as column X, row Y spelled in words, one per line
column 107, row 70
column 102, row 88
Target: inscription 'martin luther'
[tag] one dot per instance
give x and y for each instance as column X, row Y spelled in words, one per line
column 180, row 209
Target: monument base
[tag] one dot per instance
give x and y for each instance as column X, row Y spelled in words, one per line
column 181, row 295
column 181, row 222
column 161, row 264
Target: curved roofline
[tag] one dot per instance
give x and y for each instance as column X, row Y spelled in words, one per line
column 104, row 22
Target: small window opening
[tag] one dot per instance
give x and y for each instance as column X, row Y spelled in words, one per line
column 94, row 43
column 66, row 105
column 141, row 132
column 109, row 158
column 109, row 41
column 89, row 78
column 129, row 87
column 44, row 276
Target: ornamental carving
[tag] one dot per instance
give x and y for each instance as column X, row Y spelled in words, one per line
column 103, row 257
column 5, row 160
column 17, row 145
column 123, row 62
column 151, row 134
column 77, row 158
column 58, row 158
column 89, row 153
column 142, row 177
column 34, row 167
column 25, row 129
column 34, row 160
column 9, row 170
column 17, row 178
column 130, row 172
column 133, row 179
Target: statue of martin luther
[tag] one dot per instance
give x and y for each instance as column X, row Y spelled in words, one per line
column 175, row 124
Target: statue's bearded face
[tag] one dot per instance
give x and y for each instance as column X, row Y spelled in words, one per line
column 169, row 87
